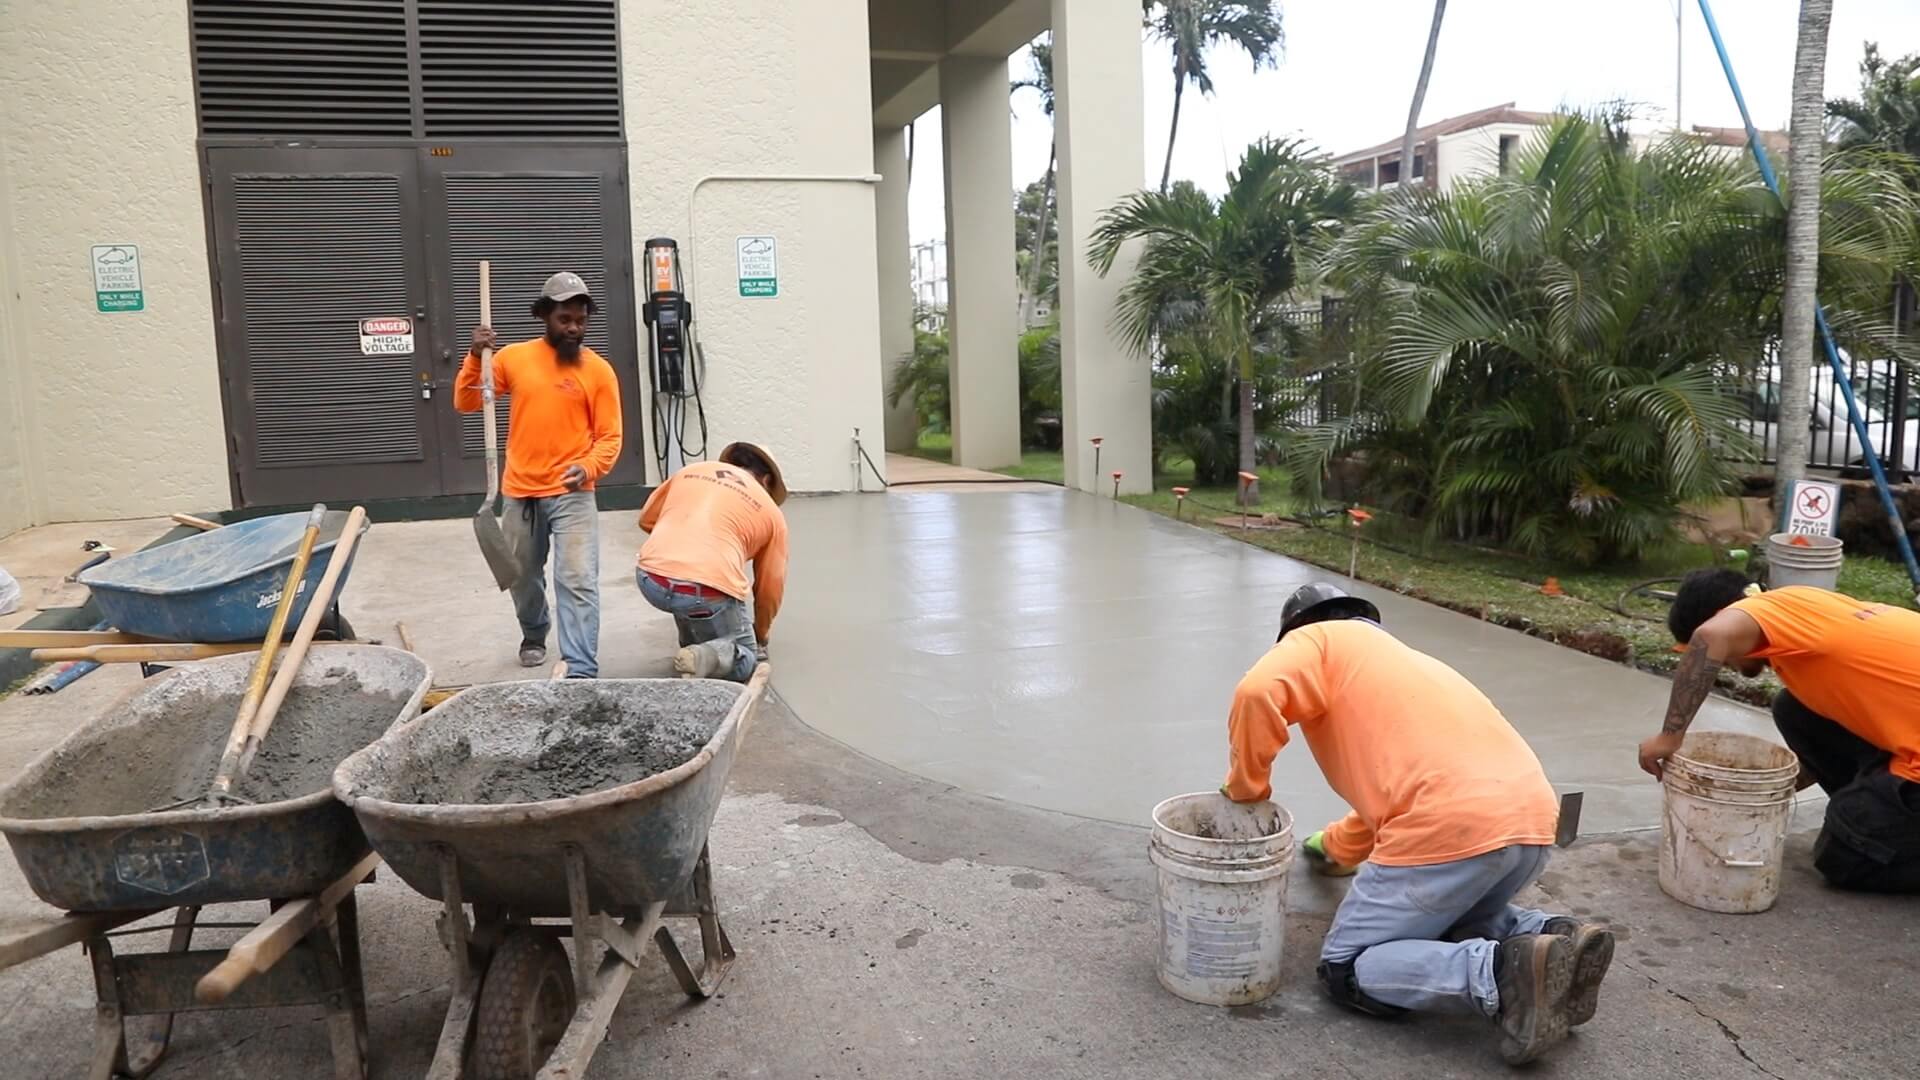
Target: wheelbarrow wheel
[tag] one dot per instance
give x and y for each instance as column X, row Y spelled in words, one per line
column 526, row 1002
column 335, row 627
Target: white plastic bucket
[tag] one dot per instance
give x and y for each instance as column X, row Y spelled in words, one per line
column 1223, row 896
column 1728, row 801
column 1814, row 562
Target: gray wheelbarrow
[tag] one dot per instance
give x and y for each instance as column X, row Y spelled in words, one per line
column 587, row 801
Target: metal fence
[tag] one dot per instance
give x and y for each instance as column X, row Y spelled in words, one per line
column 1884, row 389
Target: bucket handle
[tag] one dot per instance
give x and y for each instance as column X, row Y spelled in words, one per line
column 1731, row 864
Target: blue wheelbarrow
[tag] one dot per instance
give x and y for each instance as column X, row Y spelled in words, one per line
column 216, row 587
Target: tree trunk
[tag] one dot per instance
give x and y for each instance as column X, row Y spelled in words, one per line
column 1030, row 303
column 1179, row 86
column 1251, row 492
column 1804, row 156
column 1420, row 97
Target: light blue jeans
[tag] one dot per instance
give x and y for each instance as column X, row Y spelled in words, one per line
column 1422, row 937
column 708, row 618
column 568, row 527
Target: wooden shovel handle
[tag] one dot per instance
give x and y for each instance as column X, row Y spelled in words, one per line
column 269, row 647
column 297, row 649
column 151, row 653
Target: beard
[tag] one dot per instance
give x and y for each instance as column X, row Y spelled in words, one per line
column 567, row 348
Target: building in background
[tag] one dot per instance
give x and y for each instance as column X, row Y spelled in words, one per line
column 240, row 238
column 1484, row 143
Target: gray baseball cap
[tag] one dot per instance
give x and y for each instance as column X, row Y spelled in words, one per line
column 564, row 286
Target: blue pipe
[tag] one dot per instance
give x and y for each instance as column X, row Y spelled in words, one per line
column 71, row 675
column 1820, row 320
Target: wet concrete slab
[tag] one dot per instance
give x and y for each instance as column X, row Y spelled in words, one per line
column 1077, row 654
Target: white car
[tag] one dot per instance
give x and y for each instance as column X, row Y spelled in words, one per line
column 1835, row 444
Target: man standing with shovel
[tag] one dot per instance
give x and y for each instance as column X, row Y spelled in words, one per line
column 563, row 435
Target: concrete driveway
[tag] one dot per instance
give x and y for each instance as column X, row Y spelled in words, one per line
column 1033, row 663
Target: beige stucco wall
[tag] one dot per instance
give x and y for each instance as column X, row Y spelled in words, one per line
column 120, row 413
column 15, row 499
column 763, row 89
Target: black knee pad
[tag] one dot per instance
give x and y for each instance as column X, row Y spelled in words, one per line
column 1344, row 988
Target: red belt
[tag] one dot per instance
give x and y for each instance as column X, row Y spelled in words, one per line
column 687, row 588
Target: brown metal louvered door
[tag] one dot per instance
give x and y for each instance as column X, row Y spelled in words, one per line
column 309, row 243
column 361, row 157
column 530, row 213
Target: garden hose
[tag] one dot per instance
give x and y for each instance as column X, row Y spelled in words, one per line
column 1619, row 604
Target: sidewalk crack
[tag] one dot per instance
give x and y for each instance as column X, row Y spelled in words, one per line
column 1726, row 1032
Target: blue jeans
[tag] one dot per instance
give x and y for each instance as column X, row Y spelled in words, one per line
column 568, row 526
column 701, row 619
column 1422, row 937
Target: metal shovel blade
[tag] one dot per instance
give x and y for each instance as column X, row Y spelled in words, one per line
column 494, row 545
column 1569, row 827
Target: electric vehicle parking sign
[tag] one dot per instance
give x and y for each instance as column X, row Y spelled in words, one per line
column 759, row 266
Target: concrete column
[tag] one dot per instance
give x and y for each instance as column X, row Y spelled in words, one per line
column 896, row 277
column 983, row 319
column 1106, row 385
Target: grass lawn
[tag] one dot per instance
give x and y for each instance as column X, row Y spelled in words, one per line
column 1044, row 465
column 1504, row 588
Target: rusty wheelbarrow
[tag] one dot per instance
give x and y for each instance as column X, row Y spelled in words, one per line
column 80, row 821
column 587, row 801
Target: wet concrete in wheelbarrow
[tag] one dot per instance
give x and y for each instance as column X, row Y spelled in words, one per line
column 533, row 741
column 136, row 770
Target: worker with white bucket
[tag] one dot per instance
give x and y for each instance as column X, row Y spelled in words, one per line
column 1452, row 817
column 1850, row 709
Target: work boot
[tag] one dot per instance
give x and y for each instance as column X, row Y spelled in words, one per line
column 707, row 660
column 533, row 653
column 1592, row 954
column 1533, row 972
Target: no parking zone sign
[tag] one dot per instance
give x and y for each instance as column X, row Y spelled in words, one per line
column 1816, row 506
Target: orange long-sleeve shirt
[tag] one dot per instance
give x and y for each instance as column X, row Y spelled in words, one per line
column 1848, row 660
column 706, row 523
column 1432, row 770
column 563, row 414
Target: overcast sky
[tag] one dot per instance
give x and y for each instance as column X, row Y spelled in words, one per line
column 1347, row 76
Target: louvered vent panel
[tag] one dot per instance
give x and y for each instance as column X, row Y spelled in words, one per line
column 302, row 67
column 317, row 255
column 530, row 227
column 520, row 69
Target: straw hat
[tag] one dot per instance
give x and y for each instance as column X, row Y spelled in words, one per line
column 778, row 487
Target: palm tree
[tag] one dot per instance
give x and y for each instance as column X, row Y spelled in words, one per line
column 1041, row 82
column 1191, row 27
column 1886, row 115
column 1806, row 153
column 1218, row 266
column 1554, row 358
column 1420, row 96
column 1887, row 112
column 921, row 376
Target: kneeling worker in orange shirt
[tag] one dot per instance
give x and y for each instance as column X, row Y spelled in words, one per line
column 1452, row 816
column 704, row 525
column 1850, row 710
